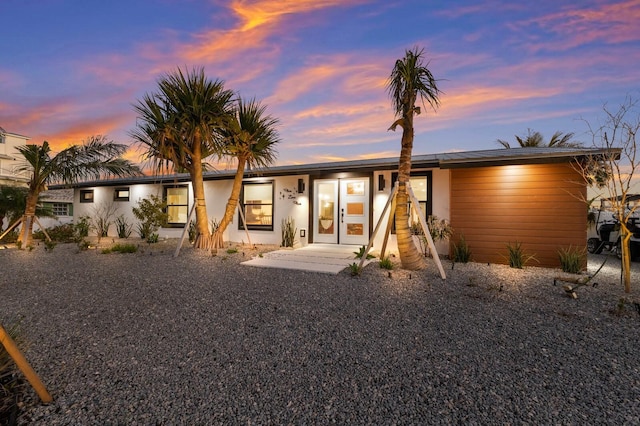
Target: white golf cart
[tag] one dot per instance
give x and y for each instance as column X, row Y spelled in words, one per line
column 606, row 232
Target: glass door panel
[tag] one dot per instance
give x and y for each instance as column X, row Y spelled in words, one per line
column 325, row 213
column 354, row 211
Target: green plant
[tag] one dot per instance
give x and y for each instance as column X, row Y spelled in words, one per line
column 153, row 238
column 439, row 229
column 355, row 269
column 102, row 218
column 386, row 263
column 123, row 227
column 232, row 250
column 19, row 244
column 360, row 253
column 192, row 231
column 517, row 256
column 82, row 227
column 121, row 248
column 214, row 224
column 11, row 237
column 13, row 387
column 61, row 233
column 83, row 245
column 461, row 251
column 151, row 214
column 49, row 245
column 572, row 259
column 288, row 232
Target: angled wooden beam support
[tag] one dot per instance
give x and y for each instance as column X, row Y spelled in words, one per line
column 415, row 205
column 23, row 365
column 390, row 201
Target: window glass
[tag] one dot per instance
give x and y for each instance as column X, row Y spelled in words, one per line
column 86, row 196
column 257, row 205
column 177, row 199
column 121, row 194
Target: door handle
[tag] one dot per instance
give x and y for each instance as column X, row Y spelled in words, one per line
column 342, row 216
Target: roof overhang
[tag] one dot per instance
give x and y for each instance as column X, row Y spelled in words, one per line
column 451, row 160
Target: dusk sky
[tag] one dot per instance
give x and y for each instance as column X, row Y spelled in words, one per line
column 73, row 68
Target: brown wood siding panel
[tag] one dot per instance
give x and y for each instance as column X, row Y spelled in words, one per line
column 541, row 206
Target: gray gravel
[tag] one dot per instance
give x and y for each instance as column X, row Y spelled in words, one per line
column 148, row 339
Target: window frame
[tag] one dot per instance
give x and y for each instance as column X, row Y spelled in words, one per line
column 165, row 199
column 429, row 202
column 243, row 205
column 84, row 198
column 117, row 197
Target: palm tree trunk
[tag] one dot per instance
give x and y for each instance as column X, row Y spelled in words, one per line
column 203, row 239
column 232, row 204
column 409, row 255
column 26, row 233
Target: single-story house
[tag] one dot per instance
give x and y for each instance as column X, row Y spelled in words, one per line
column 533, row 196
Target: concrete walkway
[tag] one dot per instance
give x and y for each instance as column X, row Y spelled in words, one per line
column 325, row 258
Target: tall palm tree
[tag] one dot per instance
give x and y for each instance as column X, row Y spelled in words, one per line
column 409, row 81
column 535, row 139
column 95, row 158
column 178, row 126
column 250, row 138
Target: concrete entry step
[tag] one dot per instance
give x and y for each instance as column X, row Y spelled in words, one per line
column 324, row 258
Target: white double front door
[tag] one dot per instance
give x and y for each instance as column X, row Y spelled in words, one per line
column 341, row 211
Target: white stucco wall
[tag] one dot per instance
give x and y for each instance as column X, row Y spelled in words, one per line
column 440, row 204
column 287, row 203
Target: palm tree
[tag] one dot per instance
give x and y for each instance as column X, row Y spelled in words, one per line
column 250, row 139
column 178, row 127
column 535, row 139
column 13, row 202
column 95, row 158
column 410, row 79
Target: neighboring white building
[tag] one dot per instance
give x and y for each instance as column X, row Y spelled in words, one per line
column 10, row 159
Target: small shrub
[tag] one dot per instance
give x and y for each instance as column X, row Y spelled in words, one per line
column 151, row 214
column 232, row 250
column 360, row 253
column 192, row 231
column 288, row 232
column 123, row 227
column 49, row 245
column 517, row 256
column 82, row 228
column 121, row 248
column 102, row 218
column 355, row 269
column 461, row 251
column 83, row 245
column 386, row 263
column 153, row 238
column 11, row 237
column 571, row 260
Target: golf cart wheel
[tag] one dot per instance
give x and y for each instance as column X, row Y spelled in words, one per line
column 594, row 245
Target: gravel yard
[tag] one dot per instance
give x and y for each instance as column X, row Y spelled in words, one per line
column 148, row 339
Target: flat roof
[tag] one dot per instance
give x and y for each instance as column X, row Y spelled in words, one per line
column 448, row 160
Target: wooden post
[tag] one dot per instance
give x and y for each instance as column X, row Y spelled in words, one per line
column 185, row 230
column 392, row 197
column 416, row 206
column 23, row 365
column 44, row 231
column 244, row 221
column 392, row 215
